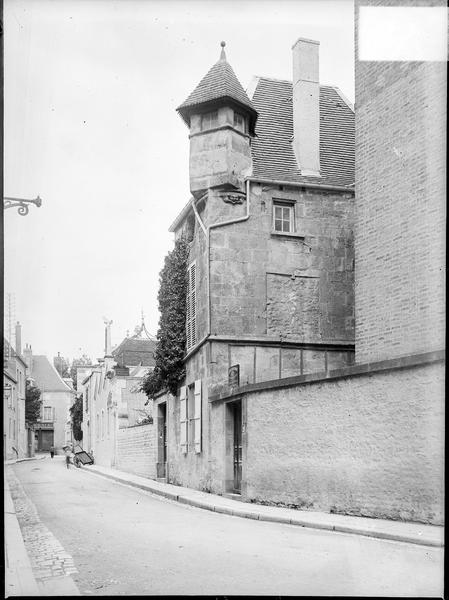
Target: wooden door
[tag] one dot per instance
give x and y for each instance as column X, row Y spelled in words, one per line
column 162, row 441
column 237, row 447
column 46, row 440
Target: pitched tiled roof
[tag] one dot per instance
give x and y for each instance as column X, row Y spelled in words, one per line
column 219, row 83
column 46, row 376
column 134, row 351
column 272, row 150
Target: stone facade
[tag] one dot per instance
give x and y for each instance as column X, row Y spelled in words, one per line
column 15, row 433
column 361, row 441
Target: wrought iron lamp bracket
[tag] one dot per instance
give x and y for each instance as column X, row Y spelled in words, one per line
column 21, row 203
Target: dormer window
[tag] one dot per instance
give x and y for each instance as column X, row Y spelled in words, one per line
column 209, row 120
column 240, row 122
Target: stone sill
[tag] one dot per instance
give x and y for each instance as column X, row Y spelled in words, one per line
column 296, row 236
column 402, row 362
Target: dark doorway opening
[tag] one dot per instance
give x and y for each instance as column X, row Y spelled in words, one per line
column 162, row 441
column 236, row 408
column 46, row 439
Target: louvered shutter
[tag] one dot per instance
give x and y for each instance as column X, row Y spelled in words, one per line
column 183, row 418
column 193, row 304
column 197, row 416
column 191, row 307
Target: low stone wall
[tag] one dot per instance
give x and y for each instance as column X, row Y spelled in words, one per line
column 136, row 450
column 370, row 444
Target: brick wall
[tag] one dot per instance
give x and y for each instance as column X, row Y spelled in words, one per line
column 369, row 445
column 400, row 205
column 136, row 450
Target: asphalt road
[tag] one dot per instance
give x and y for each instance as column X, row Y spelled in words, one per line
column 125, row 541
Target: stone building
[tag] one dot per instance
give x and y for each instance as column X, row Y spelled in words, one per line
column 271, row 265
column 54, row 425
column 112, row 402
column 368, row 438
column 15, row 431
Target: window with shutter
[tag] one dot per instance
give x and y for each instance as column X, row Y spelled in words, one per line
column 183, row 418
column 191, row 307
column 197, row 417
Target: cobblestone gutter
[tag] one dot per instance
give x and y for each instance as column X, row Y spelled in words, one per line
column 52, row 566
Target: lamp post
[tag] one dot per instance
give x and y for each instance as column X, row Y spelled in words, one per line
column 22, row 204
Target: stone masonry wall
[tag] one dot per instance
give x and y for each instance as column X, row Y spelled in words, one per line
column 400, row 199
column 263, row 282
column 136, row 450
column 369, row 445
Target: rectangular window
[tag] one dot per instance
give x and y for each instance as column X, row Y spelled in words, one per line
column 191, row 307
column 283, row 217
column 239, row 122
column 209, row 120
column 48, row 413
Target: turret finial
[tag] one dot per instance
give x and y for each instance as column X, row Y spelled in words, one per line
column 223, row 54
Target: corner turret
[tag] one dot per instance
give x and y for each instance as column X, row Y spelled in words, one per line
column 221, row 119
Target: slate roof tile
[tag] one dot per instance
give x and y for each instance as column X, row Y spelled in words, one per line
column 272, row 150
column 219, row 82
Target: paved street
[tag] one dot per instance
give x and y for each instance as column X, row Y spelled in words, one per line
column 117, row 540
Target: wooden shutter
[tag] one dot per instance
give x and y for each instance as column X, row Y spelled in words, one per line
column 191, row 307
column 193, row 303
column 197, row 416
column 183, row 418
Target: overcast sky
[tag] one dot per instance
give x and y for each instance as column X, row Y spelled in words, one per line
column 91, row 88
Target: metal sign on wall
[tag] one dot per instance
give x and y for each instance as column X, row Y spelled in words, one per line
column 234, row 376
column 43, row 426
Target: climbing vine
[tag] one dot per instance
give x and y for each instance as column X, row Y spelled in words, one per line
column 171, row 336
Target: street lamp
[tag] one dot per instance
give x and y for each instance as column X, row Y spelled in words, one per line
column 21, row 203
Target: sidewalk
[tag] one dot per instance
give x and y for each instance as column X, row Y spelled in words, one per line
column 19, row 578
column 413, row 533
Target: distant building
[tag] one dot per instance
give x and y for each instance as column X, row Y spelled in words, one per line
column 15, row 432
column 111, row 397
column 54, row 425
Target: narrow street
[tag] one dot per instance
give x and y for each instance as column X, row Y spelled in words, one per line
column 116, row 540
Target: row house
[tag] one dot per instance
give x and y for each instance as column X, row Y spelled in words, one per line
column 15, row 430
column 271, row 263
column 53, row 428
column 111, row 397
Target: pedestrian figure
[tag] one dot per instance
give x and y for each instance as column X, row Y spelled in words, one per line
column 52, row 451
column 68, row 453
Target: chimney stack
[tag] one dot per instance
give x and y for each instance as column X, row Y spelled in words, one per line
column 306, row 106
column 28, row 356
column 18, row 338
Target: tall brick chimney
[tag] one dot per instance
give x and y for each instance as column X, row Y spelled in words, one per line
column 306, row 106
column 18, row 338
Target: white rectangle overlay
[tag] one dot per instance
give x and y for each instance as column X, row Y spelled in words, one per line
column 399, row 33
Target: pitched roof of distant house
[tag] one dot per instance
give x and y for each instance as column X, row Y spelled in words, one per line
column 135, row 351
column 46, row 376
column 219, row 83
column 272, row 150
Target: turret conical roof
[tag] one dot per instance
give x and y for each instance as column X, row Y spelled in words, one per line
column 219, row 85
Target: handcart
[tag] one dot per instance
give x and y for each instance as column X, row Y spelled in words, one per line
column 81, row 457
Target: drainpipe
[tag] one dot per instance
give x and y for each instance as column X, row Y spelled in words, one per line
column 206, row 231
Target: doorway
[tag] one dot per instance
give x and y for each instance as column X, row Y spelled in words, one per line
column 46, row 437
column 236, row 408
column 162, row 441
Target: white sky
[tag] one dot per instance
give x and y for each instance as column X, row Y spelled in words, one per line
column 91, row 88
